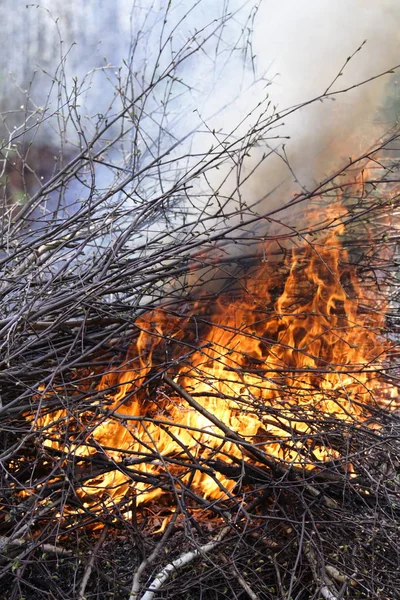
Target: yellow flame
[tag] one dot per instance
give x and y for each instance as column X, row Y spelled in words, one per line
column 267, row 369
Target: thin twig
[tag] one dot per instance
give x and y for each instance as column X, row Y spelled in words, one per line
column 89, row 567
column 242, row 582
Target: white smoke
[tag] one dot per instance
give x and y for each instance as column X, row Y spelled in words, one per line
column 307, row 42
column 275, row 53
column 302, row 49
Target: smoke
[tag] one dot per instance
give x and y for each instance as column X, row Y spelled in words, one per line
column 302, row 51
column 308, row 44
column 316, row 75
column 262, row 60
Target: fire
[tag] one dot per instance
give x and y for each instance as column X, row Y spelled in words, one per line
column 260, row 372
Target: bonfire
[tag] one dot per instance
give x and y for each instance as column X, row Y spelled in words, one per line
column 200, row 384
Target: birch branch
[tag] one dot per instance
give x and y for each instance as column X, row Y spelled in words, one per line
column 181, row 561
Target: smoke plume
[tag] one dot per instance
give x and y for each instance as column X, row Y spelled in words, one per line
column 282, row 67
column 324, row 58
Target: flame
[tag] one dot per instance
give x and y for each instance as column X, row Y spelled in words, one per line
column 289, row 348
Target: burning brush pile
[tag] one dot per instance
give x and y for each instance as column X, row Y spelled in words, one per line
column 260, row 376
column 257, row 422
column 199, row 353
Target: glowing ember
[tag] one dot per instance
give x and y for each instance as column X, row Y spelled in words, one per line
column 263, row 372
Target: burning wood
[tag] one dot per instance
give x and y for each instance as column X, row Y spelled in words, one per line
column 199, row 347
column 265, row 373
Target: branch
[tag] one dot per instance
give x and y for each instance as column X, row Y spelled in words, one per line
column 8, row 544
column 260, row 456
column 90, row 564
column 179, row 562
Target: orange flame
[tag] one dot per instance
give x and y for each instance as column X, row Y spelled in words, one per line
column 289, row 347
